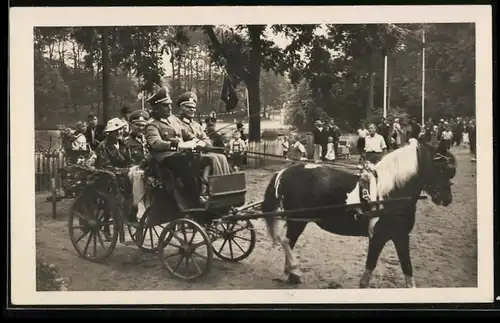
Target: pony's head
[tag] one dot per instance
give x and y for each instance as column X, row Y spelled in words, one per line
column 441, row 170
column 417, row 166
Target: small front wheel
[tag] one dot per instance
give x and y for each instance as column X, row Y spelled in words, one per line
column 233, row 241
column 185, row 250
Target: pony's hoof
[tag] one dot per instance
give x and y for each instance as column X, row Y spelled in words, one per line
column 294, row 279
column 364, row 285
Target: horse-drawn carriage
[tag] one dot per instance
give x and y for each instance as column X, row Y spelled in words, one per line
column 185, row 239
column 296, row 195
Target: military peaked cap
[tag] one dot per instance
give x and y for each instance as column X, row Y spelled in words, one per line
column 139, row 116
column 189, row 99
column 161, row 96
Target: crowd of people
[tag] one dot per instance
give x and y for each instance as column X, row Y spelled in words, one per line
column 374, row 140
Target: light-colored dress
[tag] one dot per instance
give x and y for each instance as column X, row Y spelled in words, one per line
column 330, row 151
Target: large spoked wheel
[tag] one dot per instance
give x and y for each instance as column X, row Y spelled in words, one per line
column 233, row 241
column 185, row 250
column 146, row 236
column 93, row 226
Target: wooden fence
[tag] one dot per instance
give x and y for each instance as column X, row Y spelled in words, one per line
column 47, row 164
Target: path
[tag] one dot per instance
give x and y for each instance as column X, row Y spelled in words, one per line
column 443, row 250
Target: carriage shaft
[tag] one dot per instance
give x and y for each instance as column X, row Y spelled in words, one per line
column 303, row 211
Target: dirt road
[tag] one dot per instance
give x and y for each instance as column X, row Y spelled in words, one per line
column 443, row 250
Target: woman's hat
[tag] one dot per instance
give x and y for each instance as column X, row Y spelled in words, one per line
column 318, row 123
column 139, row 117
column 188, row 99
column 161, row 96
column 114, row 124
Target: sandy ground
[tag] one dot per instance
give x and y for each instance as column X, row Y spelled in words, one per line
column 443, row 250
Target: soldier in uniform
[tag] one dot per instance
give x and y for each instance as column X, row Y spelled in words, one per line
column 137, row 141
column 163, row 137
column 192, row 131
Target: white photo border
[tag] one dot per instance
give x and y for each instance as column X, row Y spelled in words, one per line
column 22, row 22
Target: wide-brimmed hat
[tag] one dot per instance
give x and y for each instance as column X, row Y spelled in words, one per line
column 139, row 117
column 318, row 123
column 188, row 99
column 114, row 124
column 161, row 96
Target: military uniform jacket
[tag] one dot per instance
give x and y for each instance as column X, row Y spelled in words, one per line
column 159, row 135
column 113, row 158
column 192, row 129
column 138, row 149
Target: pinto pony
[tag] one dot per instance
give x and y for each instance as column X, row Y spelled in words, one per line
column 403, row 173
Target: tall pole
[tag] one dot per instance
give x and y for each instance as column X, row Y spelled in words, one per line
column 423, row 74
column 385, row 85
column 142, row 100
column 248, row 104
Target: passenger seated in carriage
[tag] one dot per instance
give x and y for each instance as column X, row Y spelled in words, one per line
column 193, row 134
column 136, row 141
column 113, row 154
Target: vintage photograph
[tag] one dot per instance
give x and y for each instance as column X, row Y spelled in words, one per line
column 257, row 156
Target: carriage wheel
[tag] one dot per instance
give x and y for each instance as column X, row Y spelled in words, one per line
column 233, row 241
column 185, row 249
column 146, row 237
column 93, row 226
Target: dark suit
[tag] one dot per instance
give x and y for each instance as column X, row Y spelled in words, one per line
column 138, row 150
column 95, row 136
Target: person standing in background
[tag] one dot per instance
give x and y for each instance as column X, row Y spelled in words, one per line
column 385, row 130
column 472, row 139
column 95, row 132
column 334, row 132
column 319, row 140
column 125, row 114
column 375, row 146
column 362, row 133
column 397, row 133
column 447, row 137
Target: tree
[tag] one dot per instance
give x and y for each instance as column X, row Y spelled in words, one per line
column 244, row 51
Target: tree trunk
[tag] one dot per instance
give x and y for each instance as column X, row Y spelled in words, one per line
column 390, row 64
column 105, row 76
column 371, row 89
column 209, row 91
column 253, row 81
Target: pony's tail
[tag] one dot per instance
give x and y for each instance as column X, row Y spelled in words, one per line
column 270, row 204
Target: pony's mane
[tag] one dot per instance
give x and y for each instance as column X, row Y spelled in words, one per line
column 397, row 168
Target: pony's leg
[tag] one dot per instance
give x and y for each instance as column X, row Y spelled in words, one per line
column 375, row 246
column 293, row 232
column 281, row 233
column 402, row 245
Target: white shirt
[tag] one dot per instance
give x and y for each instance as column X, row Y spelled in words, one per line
column 237, row 145
column 79, row 143
column 362, row 133
column 375, row 144
column 447, row 135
